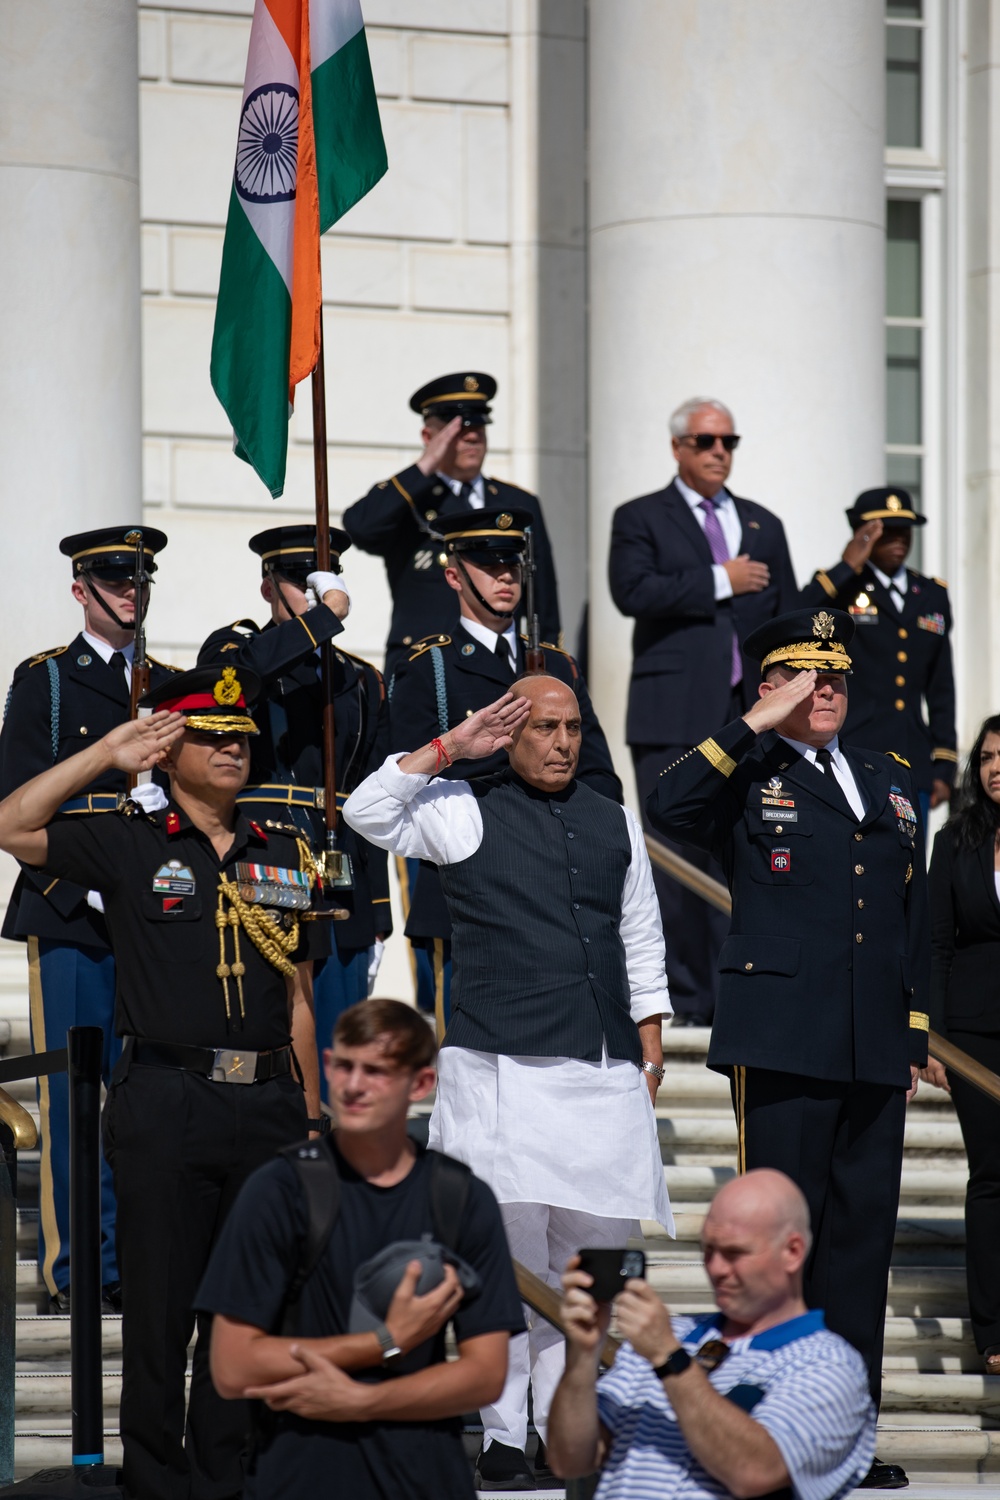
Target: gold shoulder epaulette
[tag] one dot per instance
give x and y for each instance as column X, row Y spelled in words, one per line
column 274, row 826
column 491, row 485
column 941, row 582
column 167, row 666
column 45, row 655
column 900, row 758
column 425, row 645
column 245, row 627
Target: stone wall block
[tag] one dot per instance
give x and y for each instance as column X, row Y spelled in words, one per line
column 460, row 280
column 208, row 50
column 486, row 175
column 188, row 151
column 461, row 69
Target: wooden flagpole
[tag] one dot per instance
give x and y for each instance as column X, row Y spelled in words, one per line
column 332, row 860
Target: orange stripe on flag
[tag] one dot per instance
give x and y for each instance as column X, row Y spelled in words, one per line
column 292, row 19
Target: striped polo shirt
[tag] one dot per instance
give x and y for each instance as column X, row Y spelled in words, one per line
column 805, row 1385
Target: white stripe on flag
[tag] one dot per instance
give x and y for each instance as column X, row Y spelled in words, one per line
column 332, row 23
column 270, row 61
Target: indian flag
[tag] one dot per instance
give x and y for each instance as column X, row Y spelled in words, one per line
column 309, row 147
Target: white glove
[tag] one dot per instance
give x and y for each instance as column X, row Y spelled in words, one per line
column 318, row 584
column 95, row 899
column 374, row 959
column 150, row 797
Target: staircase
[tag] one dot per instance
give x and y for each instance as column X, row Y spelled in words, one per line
column 939, row 1411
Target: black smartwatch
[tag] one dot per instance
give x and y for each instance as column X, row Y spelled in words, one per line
column 322, row 1125
column 675, row 1365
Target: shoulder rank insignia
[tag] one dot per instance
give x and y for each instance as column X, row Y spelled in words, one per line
column 167, row 666
column 900, row 758
column 276, row 827
column 173, row 823
column 940, row 583
column 426, row 644
column 258, row 830
column 44, row 655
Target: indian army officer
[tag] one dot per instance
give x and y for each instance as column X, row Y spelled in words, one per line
column 824, row 978
column 59, row 701
column 902, row 647
column 398, row 519
column 285, row 790
column 204, row 913
column 449, row 677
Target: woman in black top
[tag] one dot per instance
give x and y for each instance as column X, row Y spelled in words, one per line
column 965, row 1005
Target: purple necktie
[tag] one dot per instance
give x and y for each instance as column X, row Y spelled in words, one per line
column 720, row 554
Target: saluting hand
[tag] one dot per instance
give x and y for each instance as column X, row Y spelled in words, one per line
column 140, row 744
column 774, row 706
column 440, row 451
column 491, row 729
column 859, row 548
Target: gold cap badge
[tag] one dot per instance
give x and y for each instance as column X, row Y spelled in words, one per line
column 504, row 521
column 894, row 503
column 824, row 625
column 471, row 383
column 228, row 689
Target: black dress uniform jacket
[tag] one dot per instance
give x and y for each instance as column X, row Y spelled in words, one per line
column 288, row 753
column 660, row 572
column 901, row 658
column 965, row 937
column 444, row 680
column 395, row 521
column 60, row 701
column 825, row 971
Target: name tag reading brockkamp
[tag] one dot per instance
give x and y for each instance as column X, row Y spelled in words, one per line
column 268, row 885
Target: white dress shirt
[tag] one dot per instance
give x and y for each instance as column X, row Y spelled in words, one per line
column 478, row 497
column 897, row 586
column 527, row 1124
column 106, row 651
column 732, row 529
column 488, row 638
column 841, row 769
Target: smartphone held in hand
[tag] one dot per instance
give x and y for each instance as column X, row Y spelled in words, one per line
column 610, row 1270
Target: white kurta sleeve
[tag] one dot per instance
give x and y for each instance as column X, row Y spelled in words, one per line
column 642, row 932
column 419, row 817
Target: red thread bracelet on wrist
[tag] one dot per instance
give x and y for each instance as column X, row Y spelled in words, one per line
column 442, row 754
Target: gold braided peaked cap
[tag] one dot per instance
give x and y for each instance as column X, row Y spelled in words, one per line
column 805, row 640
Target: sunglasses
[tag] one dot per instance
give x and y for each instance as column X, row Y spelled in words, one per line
column 705, row 441
column 712, row 1353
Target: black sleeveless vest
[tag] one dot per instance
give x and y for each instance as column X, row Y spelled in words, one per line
column 538, row 965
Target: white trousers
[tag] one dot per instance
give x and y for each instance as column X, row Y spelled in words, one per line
column 543, row 1239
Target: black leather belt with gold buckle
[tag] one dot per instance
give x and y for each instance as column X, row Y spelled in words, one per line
column 220, row 1064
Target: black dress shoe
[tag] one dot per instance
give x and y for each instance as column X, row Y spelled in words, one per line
column 111, row 1297
column 499, row 1467
column 884, row 1477
column 59, row 1303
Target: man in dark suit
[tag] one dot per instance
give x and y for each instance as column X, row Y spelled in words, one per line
column 447, row 678
column 903, row 642
column 697, row 568
column 60, row 701
column 398, row 519
column 285, row 790
column 822, row 1015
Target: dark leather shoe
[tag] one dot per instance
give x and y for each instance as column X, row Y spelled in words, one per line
column 499, row 1467
column 59, row 1304
column 884, row 1477
column 111, row 1297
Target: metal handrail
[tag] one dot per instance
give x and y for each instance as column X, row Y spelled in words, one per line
column 545, row 1300
column 716, row 894
column 20, row 1124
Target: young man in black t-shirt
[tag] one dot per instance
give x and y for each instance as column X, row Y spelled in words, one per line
column 374, row 1414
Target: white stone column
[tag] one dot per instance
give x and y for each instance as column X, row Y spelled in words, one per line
column 70, row 425
column 736, row 250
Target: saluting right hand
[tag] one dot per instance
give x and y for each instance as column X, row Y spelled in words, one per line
column 859, row 548
column 775, row 705
column 140, row 744
column 441, row 449
column 491, row 729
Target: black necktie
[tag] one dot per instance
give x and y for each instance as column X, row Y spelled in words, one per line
column 824, row 761
column 502, row 653
column 119, row 664
column 465, row 495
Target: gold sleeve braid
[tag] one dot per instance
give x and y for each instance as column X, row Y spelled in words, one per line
column 261, row 926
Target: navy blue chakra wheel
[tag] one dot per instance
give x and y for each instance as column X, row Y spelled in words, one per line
column 267, row 148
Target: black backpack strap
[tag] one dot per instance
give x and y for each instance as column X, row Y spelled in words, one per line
column 449, row 1187
column 319, row 1180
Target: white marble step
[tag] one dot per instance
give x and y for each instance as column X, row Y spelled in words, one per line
column 40, row 1337
column 43, row 1394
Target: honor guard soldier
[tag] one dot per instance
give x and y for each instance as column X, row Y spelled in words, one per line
column 59, row 701
column 400, row 519
column 286, row 775
column 902, row 646
column 204, row 911
column 821, row 1021
column 447, row 678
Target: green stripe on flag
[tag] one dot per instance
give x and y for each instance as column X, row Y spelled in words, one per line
column 350, row 151
column 250, row 349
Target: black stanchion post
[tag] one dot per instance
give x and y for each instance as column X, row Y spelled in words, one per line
column 8, row 1298
column 84, row 1046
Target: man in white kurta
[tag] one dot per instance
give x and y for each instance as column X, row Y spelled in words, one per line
column 559, row 978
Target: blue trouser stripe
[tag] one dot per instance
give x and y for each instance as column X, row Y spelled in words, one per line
column 73, row 986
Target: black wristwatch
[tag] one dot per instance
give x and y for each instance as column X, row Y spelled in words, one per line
column 675, row 1365
column 391, row 1352
column 322, row 1125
